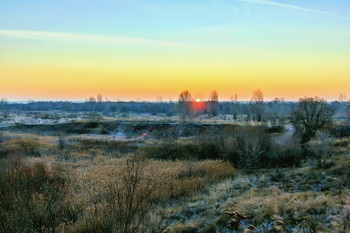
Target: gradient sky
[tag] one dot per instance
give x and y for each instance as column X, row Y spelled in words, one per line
column 145, row 49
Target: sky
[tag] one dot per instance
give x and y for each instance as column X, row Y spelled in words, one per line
column 152, row 49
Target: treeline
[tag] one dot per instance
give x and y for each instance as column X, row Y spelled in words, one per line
column 168, row 108
column 256, row 109
column 237, row 109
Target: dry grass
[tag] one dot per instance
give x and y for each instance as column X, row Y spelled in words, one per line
column 35, row 137
column 93, row 179
column 91, row 183
column 285, row 200
column 190, row 196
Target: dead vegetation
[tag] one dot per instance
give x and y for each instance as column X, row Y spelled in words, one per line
column 99, row 183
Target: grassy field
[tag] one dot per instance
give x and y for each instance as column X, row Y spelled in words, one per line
column 217, row 178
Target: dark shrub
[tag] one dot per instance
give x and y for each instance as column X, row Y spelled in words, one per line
column 91, row 124
column 341, row 131
column 31, row 197
column 275, row 129
column 172, row 151
column 252, row 145
column 283, row 156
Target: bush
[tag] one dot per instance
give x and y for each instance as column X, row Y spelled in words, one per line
column 275, row 129
column 131, row 198
column 171, row 151
column 31, row 197
column 341, row 131
column 288, row 154
column 252, row 145
column 320, row 148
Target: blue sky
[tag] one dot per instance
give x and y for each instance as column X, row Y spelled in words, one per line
column 149, row 17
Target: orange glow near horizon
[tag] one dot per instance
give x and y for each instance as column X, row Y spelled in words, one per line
column 198, row 105
column 73, row 71
column 151, row 50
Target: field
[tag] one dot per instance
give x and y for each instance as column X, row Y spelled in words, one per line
column 64, row 172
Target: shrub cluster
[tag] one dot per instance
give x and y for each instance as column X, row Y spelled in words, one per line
column 32, row 197
column 248, row 147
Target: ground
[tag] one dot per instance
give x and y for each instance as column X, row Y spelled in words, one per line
column 209, row 194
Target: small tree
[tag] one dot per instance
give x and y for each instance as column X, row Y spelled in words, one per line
column 99, row 98
column 309, row 115
column 257, row 104
column 185, row 99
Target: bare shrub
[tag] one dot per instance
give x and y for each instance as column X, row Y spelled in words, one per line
column 31, row 197
column 341, row 130
column 252, row 144
column 190, row 171
column 321, row 148
column 131, row 198
column 61, row 142
column 286, row 153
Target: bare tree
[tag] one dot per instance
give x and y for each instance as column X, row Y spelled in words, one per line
column 99, row 98
column 213, row 104
column 276, row 114
column 4, row 107
column 342, row 98
column 185, row 100
column 342, row 108
column 309, row 115
column 345, row 105
column 257, row 104
column 91, row 99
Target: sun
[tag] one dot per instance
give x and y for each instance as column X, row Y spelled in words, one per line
column 198, row 100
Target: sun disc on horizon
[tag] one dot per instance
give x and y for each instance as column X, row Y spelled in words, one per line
column 198, row 100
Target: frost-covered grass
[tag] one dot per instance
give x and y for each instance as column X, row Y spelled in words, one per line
column 305, row 199
column 189, row 195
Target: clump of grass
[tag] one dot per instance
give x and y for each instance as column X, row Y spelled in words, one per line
column 20, row 147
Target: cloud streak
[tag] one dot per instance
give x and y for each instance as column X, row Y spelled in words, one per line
column 46, row 35
column 290, row 6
